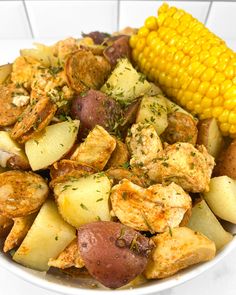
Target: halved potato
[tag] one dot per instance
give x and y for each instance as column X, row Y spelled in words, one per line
column 84, row 200
column 125, row 84
column 210, row 136
column 52, row 144
column 221, row 198
column 204, row 221
column 5, row 71
column 153, row 110
column 47, row 238
column 11, row 154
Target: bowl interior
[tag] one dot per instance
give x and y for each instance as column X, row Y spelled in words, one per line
column 64, row 284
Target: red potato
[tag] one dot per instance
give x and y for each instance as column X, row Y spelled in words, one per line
column 210, row 136
column 97, row 37
column 226, row 164
column 118, row 47
column 113, row 253
column 95, row 108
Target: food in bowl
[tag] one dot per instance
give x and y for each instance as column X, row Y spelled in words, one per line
column 101, row 166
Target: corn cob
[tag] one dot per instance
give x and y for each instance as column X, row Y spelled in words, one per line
column 192, row 65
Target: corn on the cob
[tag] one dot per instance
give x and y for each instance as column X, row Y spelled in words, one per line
column 192, row 65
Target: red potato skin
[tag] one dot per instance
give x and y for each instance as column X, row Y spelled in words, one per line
column 226, row 164
column 118, row 48
column 110, row 254
column 95, row 108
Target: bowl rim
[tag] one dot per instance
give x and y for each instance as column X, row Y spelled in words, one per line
column 171, row 282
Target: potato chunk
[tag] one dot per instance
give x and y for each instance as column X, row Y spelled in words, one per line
column 84, row 200
column 152, row 110
column 205, row 222
column 21, row 193
column 154, row 209
column 120, row 155
column 5, row 225
column 47, row 238
column 96, row 150
column 18, row 231
column 125, row 83
column 221, row 197
column 51, row 145
column 176, row 250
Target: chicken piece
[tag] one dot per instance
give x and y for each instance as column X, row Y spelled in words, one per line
column 144, row 144
column 34, row 119
column 68, row 257
column 64, row 48
column 137, row 177
column 5, row 225
column 182, row 163
column 9, row 109
column 51, row 82
column 96, row 150
column 65, row 170
column 23, row 70
column 181, row 128
column 18, row 231
column 120, row 155
column 177, row 249
column 21, row 193
column 154, row 209
column 85, row 70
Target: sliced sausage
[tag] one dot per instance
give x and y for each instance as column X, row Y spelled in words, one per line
column 21, row 193
column 34, row 119
column 8, row 110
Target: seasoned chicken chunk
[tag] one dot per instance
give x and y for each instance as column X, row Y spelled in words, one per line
column 5, row 225
column 144, row 144
column 182, row 163
column 154, row 209
column 21, row 193
column 23, row 70
column 68, row 257
column 96, row 150
column 18, row 231
column 176, row 250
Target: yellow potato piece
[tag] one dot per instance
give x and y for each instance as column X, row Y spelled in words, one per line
column 204, row 221
column 47, row 238
column 84, row 200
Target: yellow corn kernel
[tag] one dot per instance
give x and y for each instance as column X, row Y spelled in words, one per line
column 151, row 23
column 191, row 64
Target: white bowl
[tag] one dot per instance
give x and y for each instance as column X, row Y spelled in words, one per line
column 69, row 286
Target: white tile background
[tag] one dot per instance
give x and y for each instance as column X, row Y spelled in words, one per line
column 55, row 19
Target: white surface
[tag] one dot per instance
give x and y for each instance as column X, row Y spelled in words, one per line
column 60, row 19
column 222, row 19
column 13, row 21
column 135, row 12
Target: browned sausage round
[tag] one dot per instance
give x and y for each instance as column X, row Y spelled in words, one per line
column 113, row 253
column 9, row 112
column 34, row 119
column 21, row 193
column 85, row 70
column 181, row 128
